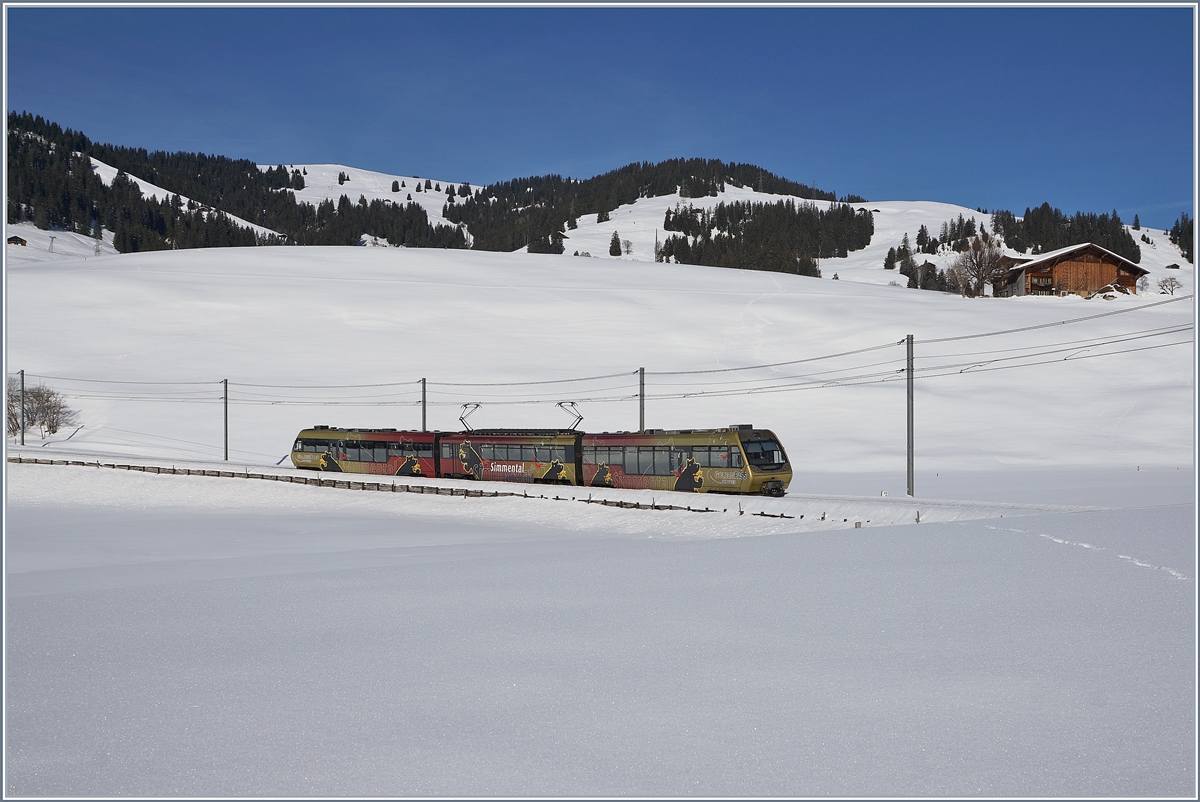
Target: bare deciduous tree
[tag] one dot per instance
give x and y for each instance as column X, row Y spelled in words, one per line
column 45, row 409
column 12, row 416
column 1169, row 284
column 978, row 265
column 627, row 246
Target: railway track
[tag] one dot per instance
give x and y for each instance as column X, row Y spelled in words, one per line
column 320, row 480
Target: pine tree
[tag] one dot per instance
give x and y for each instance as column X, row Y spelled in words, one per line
column 1137, row 224
column 395, row 186
column 602, row 216
column 614, row 245
column 889, row 261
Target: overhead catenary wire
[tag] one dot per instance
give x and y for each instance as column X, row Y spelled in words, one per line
column 774, row 364
column 763, row 366
column 893, row 376
column 851, row 375
column 1138, row 308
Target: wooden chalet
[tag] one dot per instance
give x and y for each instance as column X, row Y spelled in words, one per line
column 1078, row 270
column 15, row 240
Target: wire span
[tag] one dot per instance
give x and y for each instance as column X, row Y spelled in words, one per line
column 1057, row 323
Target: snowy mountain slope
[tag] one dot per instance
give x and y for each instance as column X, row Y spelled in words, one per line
column 107, row 173
column 641, row 222
column 472, row 323
column 321, row 183
column 67, row 245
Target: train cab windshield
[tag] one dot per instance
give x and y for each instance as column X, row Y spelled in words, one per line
column 765, row 454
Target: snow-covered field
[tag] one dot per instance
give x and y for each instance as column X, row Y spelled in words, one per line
column 172, row 635
column 343, row 335
column 199, row 636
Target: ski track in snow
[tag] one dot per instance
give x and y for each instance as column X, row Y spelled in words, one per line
column 1142, row 564
column 1094, row 547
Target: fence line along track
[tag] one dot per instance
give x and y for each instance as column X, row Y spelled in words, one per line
column 345, row 484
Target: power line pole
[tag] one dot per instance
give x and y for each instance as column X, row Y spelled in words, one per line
column 423, row 406
column 641, row 399
column 226, row 400
column 22, row 407
column 909, row 343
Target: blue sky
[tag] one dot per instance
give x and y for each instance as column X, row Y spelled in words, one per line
column 1090, row 109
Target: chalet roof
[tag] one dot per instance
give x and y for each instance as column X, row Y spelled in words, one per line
column 1053, row 257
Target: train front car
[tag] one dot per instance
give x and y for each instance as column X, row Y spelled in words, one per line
column 770, row 472
column 385, row 452
column 737, row 459
column 548, row 456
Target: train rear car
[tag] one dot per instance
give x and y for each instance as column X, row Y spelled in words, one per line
column 386, row 452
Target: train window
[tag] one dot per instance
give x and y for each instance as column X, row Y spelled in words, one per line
column 487, row 451
column 735, row 458
column 763, row 453
column 447, row 450
column 425, row 450
column 527, row 453
column 589, row 455
column 381, row 452
column 631, row 460
column 542, row 453
column 352, row 452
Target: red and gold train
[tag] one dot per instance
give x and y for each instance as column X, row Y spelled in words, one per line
column 736, row 459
